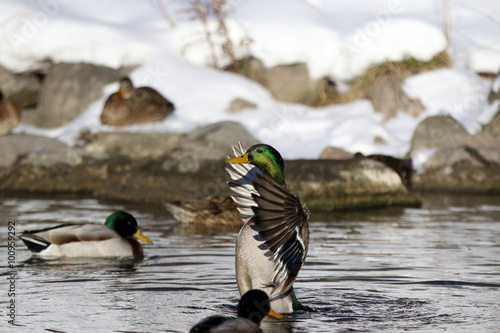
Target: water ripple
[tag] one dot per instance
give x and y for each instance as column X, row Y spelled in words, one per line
column 390, row 270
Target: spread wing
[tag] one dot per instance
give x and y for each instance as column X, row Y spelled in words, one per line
column 279, row 216
column 282, row 222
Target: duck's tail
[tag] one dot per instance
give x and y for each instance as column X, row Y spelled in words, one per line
column 35, row 244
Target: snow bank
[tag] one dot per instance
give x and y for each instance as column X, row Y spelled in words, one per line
column 462, row 94
column 336, row 39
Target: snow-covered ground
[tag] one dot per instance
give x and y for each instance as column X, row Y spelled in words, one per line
column 337, row 39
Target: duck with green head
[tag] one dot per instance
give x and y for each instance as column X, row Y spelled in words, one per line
column 272, row 244
column 115, row 238
column 252, row 308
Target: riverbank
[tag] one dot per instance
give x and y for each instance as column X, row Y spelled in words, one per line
column 178, row 168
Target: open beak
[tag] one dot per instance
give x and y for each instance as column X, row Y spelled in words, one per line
column 237, row 160
column 140, row 236
column 274, row 314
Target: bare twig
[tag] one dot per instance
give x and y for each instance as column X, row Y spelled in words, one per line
column 447, row 17
column 482, row 13
column 201, row 11
column 218, row 9
column 165, row 13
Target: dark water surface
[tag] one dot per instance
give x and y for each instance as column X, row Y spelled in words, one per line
column 434, row 269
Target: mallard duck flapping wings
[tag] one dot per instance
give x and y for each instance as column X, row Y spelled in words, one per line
column 272, row 244
column 252, row 308
column 115, row 238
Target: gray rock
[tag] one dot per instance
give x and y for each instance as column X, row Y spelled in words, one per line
column 446, row 157
column 461, row 163
column 379, row 140
column 22, row 89
column 47, row 158
column 10, row 115
column 462, row 169
column 334, row 153
column 388, row 98
column 403, row 167
column 222, row 135
column 68, row 89
column 492, row 129
column 137, row 145
column 328, row 185
column 436, row 132
column 240, row 104
column 84, row 178
column 325, row 185
column 208, row 143
column 287, row 83
column 15, row 145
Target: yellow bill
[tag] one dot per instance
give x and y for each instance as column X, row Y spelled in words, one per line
column 140, row 236
column 240, row 159
column 274, row 314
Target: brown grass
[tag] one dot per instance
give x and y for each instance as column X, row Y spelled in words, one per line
column 219, row 9
column 396, row 70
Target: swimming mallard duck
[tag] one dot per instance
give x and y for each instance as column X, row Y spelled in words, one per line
column 10, row 114
column 272, row 244
column 208, row 211
column 114, row 238
column 252, row 308
column 135, row 105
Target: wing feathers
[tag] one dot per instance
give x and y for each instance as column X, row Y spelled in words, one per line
column 267, row 204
